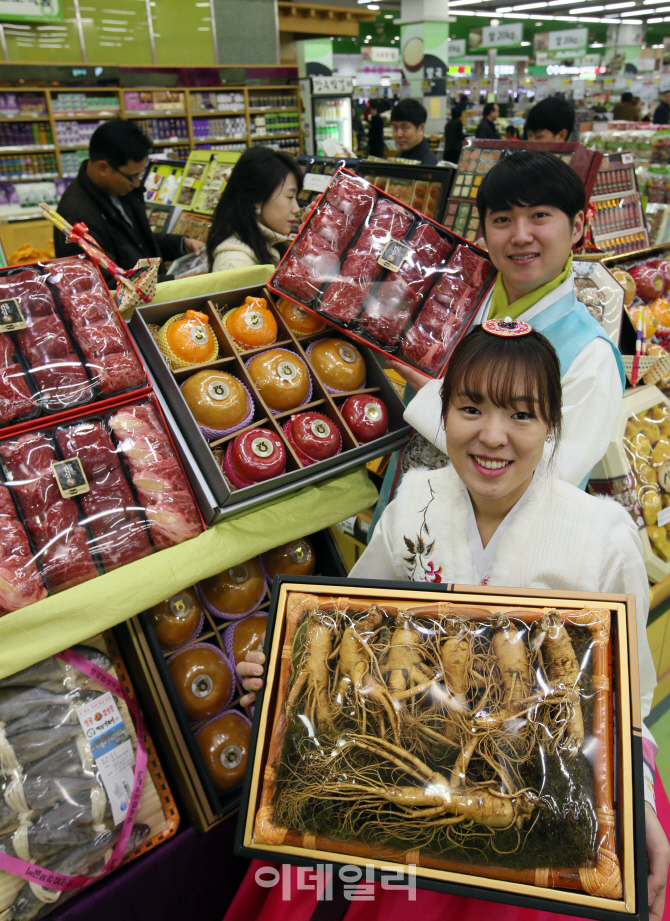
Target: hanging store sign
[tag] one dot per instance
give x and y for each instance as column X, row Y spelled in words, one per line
column 502, row 36
column 457, row 48
column 568, row 40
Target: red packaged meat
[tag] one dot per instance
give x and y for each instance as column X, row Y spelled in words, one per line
column 97, row 327
column 20, row 580
column 353, row 197
column 160, row 484
column 16, row 398
column 392, row 218
column 455, row 295
column 475, row 270
column 318, row 253
column 383, row 322
column 111, row 510
column 298, row 279
column 343, row 300
column 371, row 240
column 52, row 522
column 429, row 340
column 363, row 268
column 334, row 226
column 429, row 248
column 396, row 293
column 50, row 355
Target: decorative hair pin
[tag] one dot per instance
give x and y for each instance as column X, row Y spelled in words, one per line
column 507, row 327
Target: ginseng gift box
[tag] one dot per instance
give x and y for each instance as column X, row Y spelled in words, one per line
column 384, row 274
column 486, row 739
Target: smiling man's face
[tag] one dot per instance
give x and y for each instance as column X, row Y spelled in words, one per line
column 529, row 245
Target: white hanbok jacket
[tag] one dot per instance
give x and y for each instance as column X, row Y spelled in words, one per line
column 556, row 537
column 592, row 394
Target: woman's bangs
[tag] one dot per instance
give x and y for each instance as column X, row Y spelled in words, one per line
column 505, row 380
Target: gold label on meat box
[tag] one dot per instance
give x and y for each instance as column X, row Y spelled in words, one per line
column 393, row 256
column 70, row 477
column 11, row 318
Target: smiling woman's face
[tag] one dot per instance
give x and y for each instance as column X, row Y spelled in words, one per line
column 495, row 450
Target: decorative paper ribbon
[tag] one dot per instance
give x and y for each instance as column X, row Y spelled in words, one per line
column 47, row 878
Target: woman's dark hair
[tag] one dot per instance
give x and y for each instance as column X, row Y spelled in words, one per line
column 256, row 176
column 457, row 111
column 500, row 367
column 531, row 178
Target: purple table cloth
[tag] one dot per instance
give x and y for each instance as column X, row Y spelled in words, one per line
column 190, row 876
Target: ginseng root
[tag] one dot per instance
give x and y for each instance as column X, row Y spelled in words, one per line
column 406, row 674
column 312, row 674
column 510, row 650
column 562, row 669
column 355, row 665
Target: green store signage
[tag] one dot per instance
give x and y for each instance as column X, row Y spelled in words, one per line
column 31, row 11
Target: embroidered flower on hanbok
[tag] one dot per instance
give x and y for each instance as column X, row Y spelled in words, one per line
column 419, row 567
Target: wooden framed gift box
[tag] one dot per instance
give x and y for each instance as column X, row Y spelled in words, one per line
column 486, row 739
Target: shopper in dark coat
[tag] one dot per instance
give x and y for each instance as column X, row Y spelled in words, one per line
column 108, row 196
column 625, row 110
column 376, row 146
column 408, row 122
column 454, row 134
column 662, row 113
column 486, row 129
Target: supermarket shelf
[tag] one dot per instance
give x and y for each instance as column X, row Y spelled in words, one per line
column 164, row 113
column 55, row 97
column 38, row 177
column 79, row 116
column 212, row 113
column 226, row 140
column 272, row 137
column 29, row 148
column 255, row 110
column 24, row 118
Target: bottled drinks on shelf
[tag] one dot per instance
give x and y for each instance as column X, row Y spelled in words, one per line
column 25, row 134
column 72, row 133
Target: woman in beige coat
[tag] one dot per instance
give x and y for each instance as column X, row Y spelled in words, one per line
column 256, row 212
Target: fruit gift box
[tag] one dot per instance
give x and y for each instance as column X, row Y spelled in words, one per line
column 384, row 274
column 265, row 396
column 63, row 343
column 182, row 655
column 635, row 471
column 482, row 741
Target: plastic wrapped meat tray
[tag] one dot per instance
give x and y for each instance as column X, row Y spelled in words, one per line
column 49, row 768
column 116, row 493
column 70, row 348
column 488, row 745
column 384, row 274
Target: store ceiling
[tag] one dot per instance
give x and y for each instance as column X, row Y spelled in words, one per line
column 614, row 12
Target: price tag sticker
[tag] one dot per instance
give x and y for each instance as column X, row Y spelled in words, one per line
column 70, row 477
column 315, row 182
column 626, row 158
column 112, row 749
column 393, row 256
column 11, row 318
column 188, row 181
column 663, row 517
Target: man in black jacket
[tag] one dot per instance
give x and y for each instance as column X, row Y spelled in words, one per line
column 662, row 113
column 486, row 129
column 408, row 122
column 107, row 196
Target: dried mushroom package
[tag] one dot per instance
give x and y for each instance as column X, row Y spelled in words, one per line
column 475, row 740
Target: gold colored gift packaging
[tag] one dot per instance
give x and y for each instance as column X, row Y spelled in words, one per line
column 613, row 884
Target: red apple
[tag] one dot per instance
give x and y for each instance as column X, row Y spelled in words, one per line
column 366, row 416
column 254, row 456
column 313, row 437
column 648, row 282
